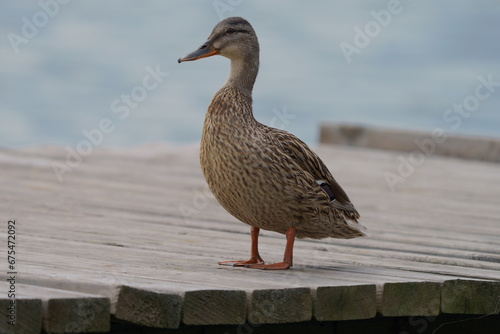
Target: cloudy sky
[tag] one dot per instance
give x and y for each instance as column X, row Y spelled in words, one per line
column 67, row 65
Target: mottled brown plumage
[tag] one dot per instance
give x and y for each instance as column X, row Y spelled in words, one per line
column 265, row 177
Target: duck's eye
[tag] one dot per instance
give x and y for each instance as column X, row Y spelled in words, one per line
column 230, row 31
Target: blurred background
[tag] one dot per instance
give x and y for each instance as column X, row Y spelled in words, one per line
column 67, row 65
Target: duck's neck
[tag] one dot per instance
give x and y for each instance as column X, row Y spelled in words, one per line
column 243, row 73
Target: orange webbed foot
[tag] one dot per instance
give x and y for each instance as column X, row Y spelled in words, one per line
column 243, row 263
column 271, row 266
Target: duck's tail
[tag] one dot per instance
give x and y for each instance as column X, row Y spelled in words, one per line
column 354, row 225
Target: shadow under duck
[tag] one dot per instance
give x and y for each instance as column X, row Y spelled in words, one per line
column 265, row 177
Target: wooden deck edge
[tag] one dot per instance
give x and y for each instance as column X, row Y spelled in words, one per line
column 335, row 303
column 471, row 297
column 56, row 311
column 411, row 299
column 108, row 288
column 422, row 143
column 149, row 308
column 275, row 306
column 214, row 307
column 70, row 311
column 23, row 317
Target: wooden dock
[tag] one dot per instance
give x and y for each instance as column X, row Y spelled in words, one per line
column 133, row 236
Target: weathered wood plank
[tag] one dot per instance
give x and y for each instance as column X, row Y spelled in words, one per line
column 470, row 297
column 214, row 307
column 280, row 306
column 333, row 303
column 149, row 308
column 146, row 221
column 436, row 142
column 23, row 317
column 77, row 315
column 62, row 311
column 411, row 299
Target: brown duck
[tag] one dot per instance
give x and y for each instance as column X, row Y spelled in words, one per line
column 265, row 177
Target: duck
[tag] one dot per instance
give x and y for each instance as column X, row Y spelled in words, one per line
column 265, row 177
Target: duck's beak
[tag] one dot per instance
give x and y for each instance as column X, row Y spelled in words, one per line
column 206, row 50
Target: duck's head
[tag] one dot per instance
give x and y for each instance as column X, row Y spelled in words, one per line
column 233, row 38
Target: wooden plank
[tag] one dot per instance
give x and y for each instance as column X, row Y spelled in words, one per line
column 63, row 311
column 214, row 307
column 338, row 250
column 25, row 315
column 433, row 259
column 470, row 297
column 147, row 222
column 273, row 306
column 335, row 303
column 436, row 142
column 76, row 314
column 411, row 299
column 149, row 308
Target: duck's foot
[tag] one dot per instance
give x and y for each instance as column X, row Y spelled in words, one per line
column 250, row 262
column 271, row 266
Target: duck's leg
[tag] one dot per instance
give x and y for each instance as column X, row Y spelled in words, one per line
column 254, row 252
column 287, row 258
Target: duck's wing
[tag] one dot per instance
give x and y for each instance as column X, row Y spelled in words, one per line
column 309, row 161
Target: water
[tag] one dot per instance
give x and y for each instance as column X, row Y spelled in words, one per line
column 78, row 62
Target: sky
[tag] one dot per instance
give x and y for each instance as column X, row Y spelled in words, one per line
column 107, row 71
